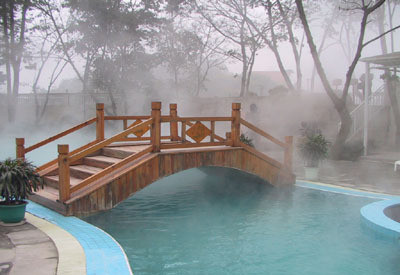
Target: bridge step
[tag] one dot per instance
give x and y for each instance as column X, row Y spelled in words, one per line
column 83, row 171
column 52, row 181
column 100, row 161
column 121, row 152
column 49, row 197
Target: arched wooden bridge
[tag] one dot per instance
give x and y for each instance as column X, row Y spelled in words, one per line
column 104, row 172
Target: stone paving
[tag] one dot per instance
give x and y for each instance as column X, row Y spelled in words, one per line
column 373, row 173
column 24, row 249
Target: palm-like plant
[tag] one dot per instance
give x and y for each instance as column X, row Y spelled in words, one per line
column 18, row 178
column 313, row 148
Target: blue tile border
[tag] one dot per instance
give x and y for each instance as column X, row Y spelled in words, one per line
column 374, row 217
column 103, row 254
column 372, row 214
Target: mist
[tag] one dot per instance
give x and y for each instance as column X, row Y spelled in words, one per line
column 188, row 54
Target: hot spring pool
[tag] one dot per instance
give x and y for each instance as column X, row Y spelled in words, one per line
column 220, row 221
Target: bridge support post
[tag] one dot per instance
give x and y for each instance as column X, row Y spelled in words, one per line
column 63, row 174
column 156, row 126
column 20, row 148
column 288, row 157
column 100, row 121
column 173, row 128
column 235, row 126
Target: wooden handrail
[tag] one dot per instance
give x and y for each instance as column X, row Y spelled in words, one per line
column 64, row 133
column 125, row 117
column 109, row 169
column 50, row 163
column 142, row 138
column 186, row 119
column 262, row 133
column 191, row 145
column 261, row 155
column 106, row 142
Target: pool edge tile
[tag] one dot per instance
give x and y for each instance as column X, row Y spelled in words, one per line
column 71, row 256
column 103, row 253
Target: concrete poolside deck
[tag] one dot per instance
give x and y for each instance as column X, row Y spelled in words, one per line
column 59, row 245
column 40, row 247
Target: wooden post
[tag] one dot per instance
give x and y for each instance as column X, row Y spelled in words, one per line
column 100, row 121
column 183, row 131
column 228, row 136
column 288, row 157
column 156, row 126
column 212, row 124
column 125, row 124
column 235, row 126
column 173, row 128
column 20, row 150
column 63, row 172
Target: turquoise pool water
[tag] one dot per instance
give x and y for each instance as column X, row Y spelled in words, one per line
column 221, row 221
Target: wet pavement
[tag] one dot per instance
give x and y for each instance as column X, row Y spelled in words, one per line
column 24, row 249
column 373, row 173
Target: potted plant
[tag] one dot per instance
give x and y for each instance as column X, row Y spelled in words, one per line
column 313, row 148
column 18, row 178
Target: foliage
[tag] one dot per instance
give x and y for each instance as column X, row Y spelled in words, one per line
column 18, row 178
column 246, row 140
column 313, row 146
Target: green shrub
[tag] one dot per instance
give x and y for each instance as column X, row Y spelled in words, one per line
column 18, row 179
column 246, row 140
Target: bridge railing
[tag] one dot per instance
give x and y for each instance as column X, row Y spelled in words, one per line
column 184, row 132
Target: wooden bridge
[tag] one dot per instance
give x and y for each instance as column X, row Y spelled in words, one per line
column 104, row 172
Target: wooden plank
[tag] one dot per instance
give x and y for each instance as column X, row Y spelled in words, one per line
column 64, row 133
column 125, row 117
column 235, row 125
column 106, row 142
column 217, row 137
column 173, row 128
column 63, row 173
column 183, row 131
column 181, row 119
column 212, row 131
column 191, row 145
column 261, row 155
column 156, row 126
column 262, row 133
column 111, row 168
column 100, row 121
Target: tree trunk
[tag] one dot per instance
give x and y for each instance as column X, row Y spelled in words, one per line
column 338, row 103
column 292, row 40
column 274, row 47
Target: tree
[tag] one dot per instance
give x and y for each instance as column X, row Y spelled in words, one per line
column 339, row 102
column 14, row 16
column 110, row 37
column 281, row 17
column 229, row 19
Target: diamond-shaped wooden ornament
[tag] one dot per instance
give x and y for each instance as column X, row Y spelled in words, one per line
column 139, row 132
column 198, row 132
